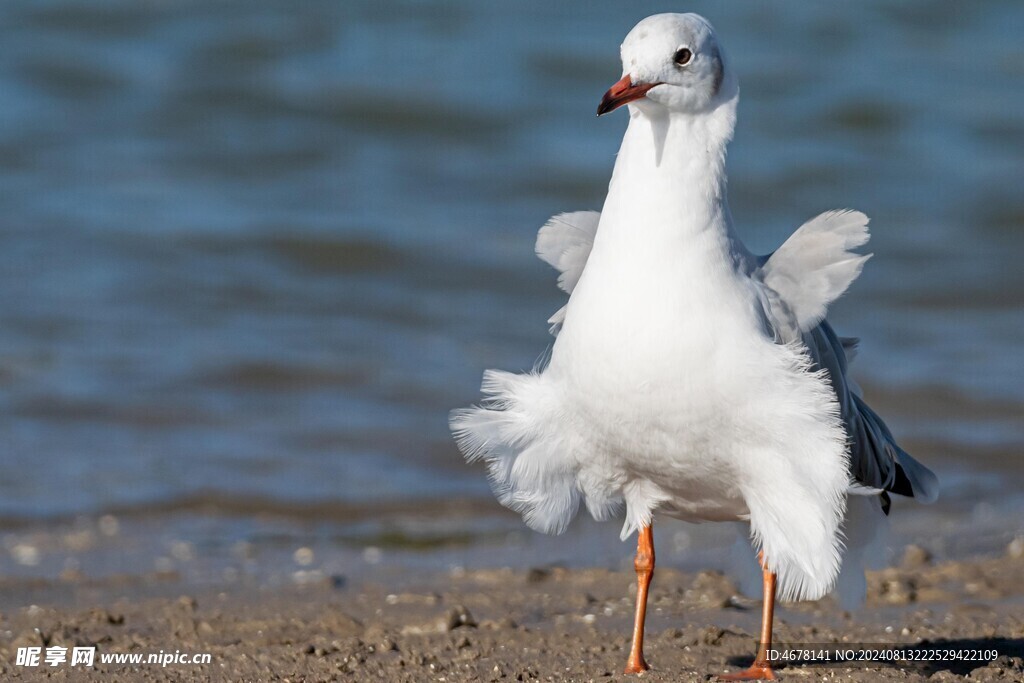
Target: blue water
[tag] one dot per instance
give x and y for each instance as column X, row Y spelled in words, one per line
column 260, row 249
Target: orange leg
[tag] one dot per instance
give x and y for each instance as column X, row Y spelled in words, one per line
column 761, row 669
column 644, row 566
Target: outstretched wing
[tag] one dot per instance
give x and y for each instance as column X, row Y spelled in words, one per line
column 812, row 269
column 796, row 284
column 565, row 242
column 807, row 273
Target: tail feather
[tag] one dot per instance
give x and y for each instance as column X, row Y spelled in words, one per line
column 875, row 448
column 923, row 481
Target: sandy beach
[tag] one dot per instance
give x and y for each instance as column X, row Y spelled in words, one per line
column 546, row 624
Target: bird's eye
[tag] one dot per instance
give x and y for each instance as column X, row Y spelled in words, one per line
column 682, row 56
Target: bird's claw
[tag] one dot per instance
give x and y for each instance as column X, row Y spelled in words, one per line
column 636, row 665
column 756, row 672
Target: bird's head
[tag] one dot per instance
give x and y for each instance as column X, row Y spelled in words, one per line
column 671, row 62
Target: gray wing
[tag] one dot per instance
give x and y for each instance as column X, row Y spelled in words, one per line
column 797, row 283
column 876, row 460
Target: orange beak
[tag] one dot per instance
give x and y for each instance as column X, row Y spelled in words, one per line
column 622, row 93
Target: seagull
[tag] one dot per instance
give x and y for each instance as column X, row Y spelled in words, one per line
column 688, row 376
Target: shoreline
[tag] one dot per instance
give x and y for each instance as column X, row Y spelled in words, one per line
column 207, row 541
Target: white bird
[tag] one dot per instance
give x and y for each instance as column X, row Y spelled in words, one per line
column 688, row 376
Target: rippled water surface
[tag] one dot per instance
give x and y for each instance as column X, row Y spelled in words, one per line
column 258, row 250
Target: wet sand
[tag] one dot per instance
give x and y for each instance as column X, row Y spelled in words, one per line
column 547, row 624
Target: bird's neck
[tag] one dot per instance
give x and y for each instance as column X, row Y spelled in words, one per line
column 669, row 177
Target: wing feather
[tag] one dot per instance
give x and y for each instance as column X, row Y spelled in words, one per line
column 816, row 265
column 564, row 242
column 797, row 283
column 876, row 460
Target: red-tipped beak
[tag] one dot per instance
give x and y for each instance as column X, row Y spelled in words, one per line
column 621, row 93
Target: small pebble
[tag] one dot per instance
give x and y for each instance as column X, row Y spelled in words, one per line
column 109, row 526
column 915, row 556
column 458, row 617
column 303, row 556
column 182, row 551
column 25, row 554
